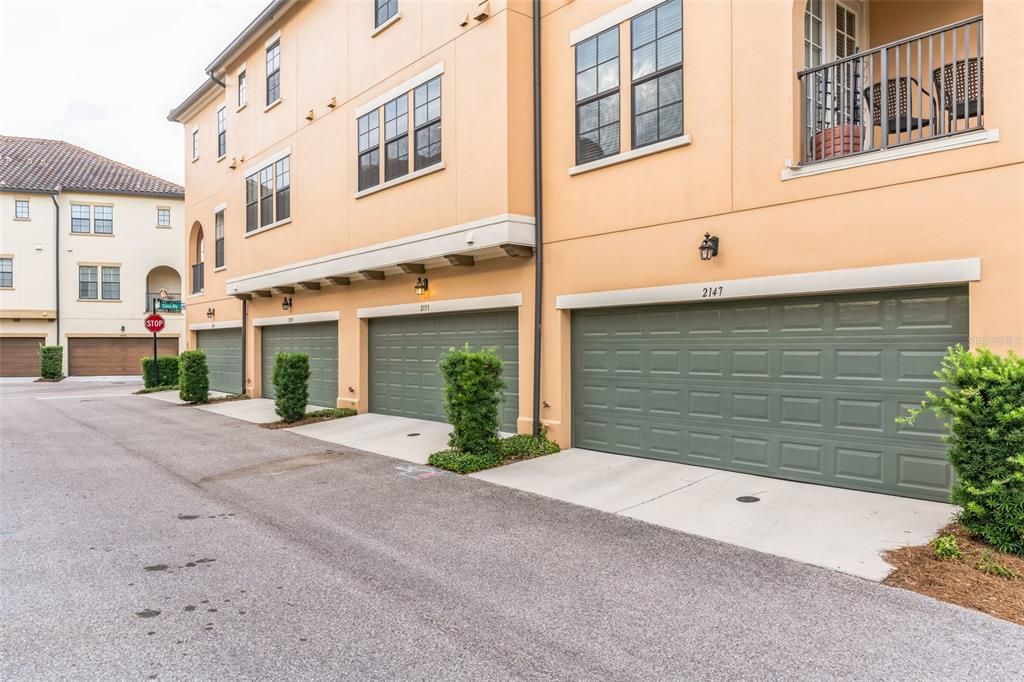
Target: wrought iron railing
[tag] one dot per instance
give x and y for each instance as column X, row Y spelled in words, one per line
column 919, row 88
column 162, row 300
column 197, row 278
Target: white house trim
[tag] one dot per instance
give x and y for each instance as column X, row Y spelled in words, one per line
column 387, row 24
column 829, row 281
column 227, row 324
column 613, row 18
column 449, row 306
column 271, row 39
column 622, row 157
column 327, row 316
column 259, row 165
column 220, row 207
column 400, row 89
column 484, row 235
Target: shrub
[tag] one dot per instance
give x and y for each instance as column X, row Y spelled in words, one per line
column 291, row 385
column 163, row 373
column 525, row 446
column 982, row 402
column 945, row 548
column 472, row 396
column 51, row 362
column 991, row 566
column 463, row 462
column 332, row 413
column 193, row 377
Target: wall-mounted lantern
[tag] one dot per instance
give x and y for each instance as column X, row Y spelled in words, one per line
column 422, row 286
column 286, row 303
column 210, row 312
column 708, row 247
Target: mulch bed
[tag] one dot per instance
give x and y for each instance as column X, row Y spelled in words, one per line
column 960, row 582
column 300, row 422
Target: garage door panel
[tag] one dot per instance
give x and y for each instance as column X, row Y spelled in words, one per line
column 19, row 356
column 114, row 355
column 223, row 349
column 807, row 388
column 320, row 341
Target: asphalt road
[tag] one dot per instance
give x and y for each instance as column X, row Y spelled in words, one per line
column 142, row 540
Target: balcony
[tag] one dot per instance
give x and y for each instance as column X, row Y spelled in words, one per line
column 197, row 278
column 163, row 301
column 924, row 87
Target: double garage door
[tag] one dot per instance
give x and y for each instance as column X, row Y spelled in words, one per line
column 223, row 349
column 114, row 355
column 806, row 388
column 319, row 340
column 404, row 353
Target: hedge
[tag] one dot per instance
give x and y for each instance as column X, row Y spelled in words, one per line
column 982, row 402
column 166, row 373
column 472, row 397
column 291, row 385
column 193, row 377
column 51, row 362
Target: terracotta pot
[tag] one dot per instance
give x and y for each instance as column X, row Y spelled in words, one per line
column 837, row 141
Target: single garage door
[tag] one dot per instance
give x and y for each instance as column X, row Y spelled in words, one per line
column 806, row 388
column 320, row 341
column 405, row 351
column 223, row 348
column 114, row 355
column 19, row 356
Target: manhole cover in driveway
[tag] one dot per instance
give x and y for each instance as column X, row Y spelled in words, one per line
column 748, row 498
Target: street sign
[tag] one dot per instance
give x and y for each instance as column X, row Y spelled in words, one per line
column 167, row 306
column 154, row 323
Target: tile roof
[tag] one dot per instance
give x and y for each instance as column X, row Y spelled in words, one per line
column 35, row 165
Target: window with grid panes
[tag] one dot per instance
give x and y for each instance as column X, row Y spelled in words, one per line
column 427, row 120
column 657, row 73
column 384, row 10
column 218, row 239
column 81, row 219
column 597, row 96
column 110, row 286
column 369, row 149
column 103, row 219
column 273, row 72
column 87, row 281
column 396, row 137
column 6, row 273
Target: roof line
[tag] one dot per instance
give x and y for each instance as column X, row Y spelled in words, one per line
column 268, row 14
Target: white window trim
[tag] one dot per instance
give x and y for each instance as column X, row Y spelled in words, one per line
column 398, row 181
column 829, row 281
column 271, row 39
column 265, row 228
column 377, row 31
column 272, row 104
column 195, row 143
column 238, row 73
column 939, row 144
column 226, row 324
column 400, row 89
column 622, row 157
column 27, row 201
column 170, row 215
column 327, row 316
column 448, row 306
column 613, row 18
column 260, row 165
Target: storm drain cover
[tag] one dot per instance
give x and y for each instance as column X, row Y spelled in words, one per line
column 748, row 498
column 410, row 435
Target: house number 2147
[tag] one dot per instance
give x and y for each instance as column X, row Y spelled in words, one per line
column 710, row 292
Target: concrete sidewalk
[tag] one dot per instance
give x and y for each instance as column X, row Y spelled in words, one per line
column 410, row 439
column 255, row 410
column 173, row 396
column 844, row 530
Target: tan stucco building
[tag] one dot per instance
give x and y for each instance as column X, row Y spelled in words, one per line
column 360, row 186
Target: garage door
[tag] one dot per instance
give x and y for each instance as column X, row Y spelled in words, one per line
column 799, row 388
column 320, row 341
column 404, row 352
column 114, row 355
column 223, row 348
column 19, row 356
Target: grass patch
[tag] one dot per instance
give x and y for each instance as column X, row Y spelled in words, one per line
column 979, row 577
column 156, row 389
column 513, row 449
column 314, row 417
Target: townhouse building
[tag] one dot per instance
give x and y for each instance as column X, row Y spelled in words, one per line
column 759, row 226
column 88, row 247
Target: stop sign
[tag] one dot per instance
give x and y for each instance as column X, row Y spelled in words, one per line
column 154, row 323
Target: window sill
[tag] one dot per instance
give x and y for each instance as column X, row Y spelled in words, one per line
column 221, row 268
column 195, row 294
column 221, row 158
column 99, row 300
column 91, row 234
column 24, row 220
column 880, row 156
column 241, row 106
column 380, row 29
column 265, row 228
column 664, row 145
column 194, row 159
column 272, row 105
column 398, row 181
column 163, row 227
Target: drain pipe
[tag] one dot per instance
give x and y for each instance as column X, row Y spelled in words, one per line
column 538, row 213
column 245, row 310
column 56, row 265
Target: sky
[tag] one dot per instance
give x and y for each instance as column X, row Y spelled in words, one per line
column 103, row 74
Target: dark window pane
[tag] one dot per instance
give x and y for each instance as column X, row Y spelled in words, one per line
column 588, row 117
column 266, row 210
column 586, row 54
column 670, row 121
column 598, row 126
column 643, row 29
column 586, row 84
column 670, row 17
column 284, row 203
column 428, row 145
column 644, row 60
column 670, row 51
column 369, row 169
column 396, row 160
column 608, row 75
column 251, row 217
column 645, row 97
column 608, row 45
column 646, row 128
column 670, row 88
column 609, row 109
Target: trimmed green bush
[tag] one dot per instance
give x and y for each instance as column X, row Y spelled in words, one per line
column 463, row 462
column 51, row 362
column 472, row 396
column 291, row 385
column 163, row 373
column 332, row 413
column 193, row 377
column 526, row 446
column 982, row 401
column 946, row 548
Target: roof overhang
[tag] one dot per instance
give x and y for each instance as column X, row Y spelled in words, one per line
column 199, row 98
column 248, row 35
column 495, row 237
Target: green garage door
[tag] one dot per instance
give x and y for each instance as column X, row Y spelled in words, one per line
column 804, row 388
column 223, row 348
column 320, row 341
column 404, row 352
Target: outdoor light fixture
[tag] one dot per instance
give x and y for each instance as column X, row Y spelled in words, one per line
column 421, row 286
column 708, row 247
column 210, row 312
column 286, row 303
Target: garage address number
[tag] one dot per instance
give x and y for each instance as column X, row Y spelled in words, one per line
column 712, row 291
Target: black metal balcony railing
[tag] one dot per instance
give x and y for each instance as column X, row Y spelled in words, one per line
column 168, row 302
column 197, row 278
column 923, row 87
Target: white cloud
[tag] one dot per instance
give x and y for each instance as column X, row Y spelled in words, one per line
column 104, row 74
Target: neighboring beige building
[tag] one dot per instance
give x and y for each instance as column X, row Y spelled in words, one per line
column 852, row 168
column 112, row 233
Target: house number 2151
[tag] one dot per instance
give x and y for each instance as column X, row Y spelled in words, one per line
column 711, row 292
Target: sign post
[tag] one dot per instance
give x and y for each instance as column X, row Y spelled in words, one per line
column 154, row 323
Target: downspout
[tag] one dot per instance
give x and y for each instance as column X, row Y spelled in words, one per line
column 245, row 310
column 56, row 264
column 538, row 213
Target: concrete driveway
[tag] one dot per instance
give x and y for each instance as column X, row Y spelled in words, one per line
column 845, row 530
column 140, row 540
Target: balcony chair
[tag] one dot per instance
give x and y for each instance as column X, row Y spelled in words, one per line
column 968, row 76
column 900, row 102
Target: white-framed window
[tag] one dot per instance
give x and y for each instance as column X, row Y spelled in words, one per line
column 218, row 239
column 6, row 272
column 657, row 72
column 103, row 219
column 241, row 89
column 597, row 96
column 81, row 218
column 268, row 195
column 273, row 72
column 87, row 282
column 833, row 29
column 195, row 143
column 222, row 132
column 427, row 119
column 384, row 10
column 110, row 284
column 163, row 216
column 21, row 209
column 368, row 147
